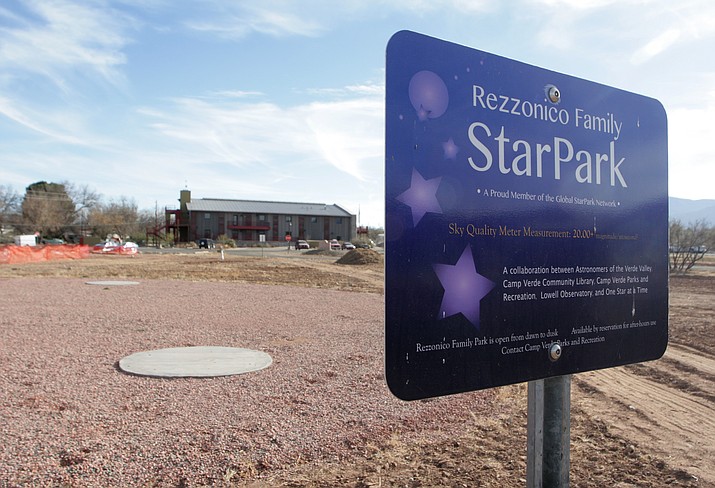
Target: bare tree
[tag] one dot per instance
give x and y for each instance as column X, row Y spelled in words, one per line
column 688, row 244
column 9, row 206
column 83, row 197
column 115, row 217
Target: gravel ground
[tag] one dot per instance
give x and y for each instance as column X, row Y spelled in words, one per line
column 69, row 417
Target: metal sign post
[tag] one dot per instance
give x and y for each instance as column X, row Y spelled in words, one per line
column 548, row 432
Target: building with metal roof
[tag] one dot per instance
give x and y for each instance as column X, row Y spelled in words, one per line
column 251, row 221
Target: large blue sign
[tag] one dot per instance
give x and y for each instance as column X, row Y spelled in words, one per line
column 526, row 222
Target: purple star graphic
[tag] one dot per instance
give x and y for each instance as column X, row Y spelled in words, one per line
column 422, row 114
column 450, row 149
column 463, row 287
column 421, row 196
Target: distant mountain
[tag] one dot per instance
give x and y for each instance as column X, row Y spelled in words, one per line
column 689, row 211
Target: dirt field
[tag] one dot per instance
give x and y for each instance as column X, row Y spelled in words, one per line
column 645, row 425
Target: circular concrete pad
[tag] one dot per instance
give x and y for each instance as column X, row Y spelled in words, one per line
column 113, row 283
column 195, row 362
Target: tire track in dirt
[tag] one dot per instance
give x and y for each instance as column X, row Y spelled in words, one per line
column 692, row 358
column 684, row 369
column 665, row 406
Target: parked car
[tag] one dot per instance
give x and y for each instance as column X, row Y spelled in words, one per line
column 206, row 244
column 53, row 242
column 302, row 245
column 334, row 245
column 348, row 245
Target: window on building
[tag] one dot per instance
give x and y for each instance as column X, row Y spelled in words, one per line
column 235, row 220
column 339, row 220
column 207, row 216
column 289, row 218
column 314, row 220
column 262, row 217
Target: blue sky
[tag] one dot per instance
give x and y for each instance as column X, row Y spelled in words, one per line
column 284, row 100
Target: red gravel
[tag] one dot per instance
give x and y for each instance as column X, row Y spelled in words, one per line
column 69, row 417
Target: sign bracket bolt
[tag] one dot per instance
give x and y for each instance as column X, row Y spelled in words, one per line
column 554, row 352
column 553, row 93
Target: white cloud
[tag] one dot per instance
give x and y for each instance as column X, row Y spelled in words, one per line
column 351, row 91
column 311, row 18
column 349, row 135
column 62, row 127
column 635, row 29
column 63, row 39
column 346, row 134
column 577, row 4
column 236, row 20
column 691, row 159
column 235, row 94
column 228, row 131
column 422, row 7
column 656, row 46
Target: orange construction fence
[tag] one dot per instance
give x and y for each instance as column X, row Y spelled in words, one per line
column 12, row 254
